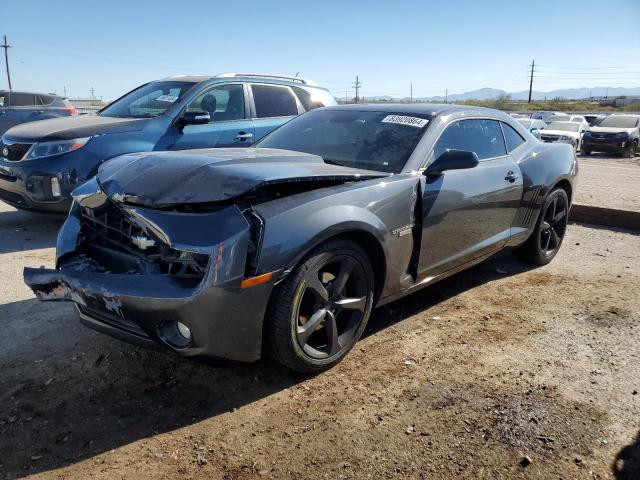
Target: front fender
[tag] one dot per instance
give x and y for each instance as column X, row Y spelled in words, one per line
column 384, row 210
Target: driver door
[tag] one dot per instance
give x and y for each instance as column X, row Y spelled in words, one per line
column 230, row 125
column 467, row 214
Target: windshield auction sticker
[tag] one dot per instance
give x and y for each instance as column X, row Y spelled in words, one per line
column 167, row 98
column 404, row 120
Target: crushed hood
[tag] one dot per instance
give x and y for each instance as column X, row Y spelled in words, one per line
column 164, row 179
column 65, row 128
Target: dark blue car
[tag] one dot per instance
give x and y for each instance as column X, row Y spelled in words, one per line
column 42, row 162
column 21, row 107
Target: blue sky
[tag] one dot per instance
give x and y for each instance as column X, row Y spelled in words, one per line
column 113, row 46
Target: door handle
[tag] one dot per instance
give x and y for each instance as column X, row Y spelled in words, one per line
column 511, row 176
column 242, row 136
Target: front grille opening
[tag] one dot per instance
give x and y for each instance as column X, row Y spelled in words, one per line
column 15, row 150
column 108, row 239
column 256, row 232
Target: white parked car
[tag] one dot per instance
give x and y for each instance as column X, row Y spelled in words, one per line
column 565, row 132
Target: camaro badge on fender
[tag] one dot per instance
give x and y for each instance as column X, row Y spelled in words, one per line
column 402, row 231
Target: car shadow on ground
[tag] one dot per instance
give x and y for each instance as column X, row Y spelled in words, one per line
column 86, row 393
column 20, row 230
column 626, row 465
column 499, row 266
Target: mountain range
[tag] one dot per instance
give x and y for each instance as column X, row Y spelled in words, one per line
column 492, row 93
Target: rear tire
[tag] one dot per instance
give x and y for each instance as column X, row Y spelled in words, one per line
column 320, row 310
column 546, row 239
column 585, row 152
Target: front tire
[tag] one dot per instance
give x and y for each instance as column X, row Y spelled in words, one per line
column 630, row 150
column 320, row 310
column 545, row 241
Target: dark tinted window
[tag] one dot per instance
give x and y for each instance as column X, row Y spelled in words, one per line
column 371, row 140
column 484, row 137
column 513, row 138
column 273, row 101
column 22, row 99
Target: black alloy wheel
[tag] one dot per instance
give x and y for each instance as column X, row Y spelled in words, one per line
column 546, row 239
column 320, row 311
column 553, row 226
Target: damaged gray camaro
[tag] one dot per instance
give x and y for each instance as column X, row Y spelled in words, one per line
column 285, row 247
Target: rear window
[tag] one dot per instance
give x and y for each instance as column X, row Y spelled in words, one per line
column 273, row 101
column 45, row 99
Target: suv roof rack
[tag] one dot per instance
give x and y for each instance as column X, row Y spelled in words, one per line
column 266, row 75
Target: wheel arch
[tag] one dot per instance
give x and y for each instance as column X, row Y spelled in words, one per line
column 566, row 186
column 369, row 242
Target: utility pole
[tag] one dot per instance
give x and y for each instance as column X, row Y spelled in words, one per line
column 6, row 47
column 92, row 93
column 446, row 96
column 357, row 86
column 533, row 64
column 411, row 92
column 64, row 89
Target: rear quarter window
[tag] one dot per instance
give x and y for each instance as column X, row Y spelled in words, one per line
column 511, row 137
column 315, row 98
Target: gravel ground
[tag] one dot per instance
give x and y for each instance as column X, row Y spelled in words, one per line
column 500, row 372
column 611, row 182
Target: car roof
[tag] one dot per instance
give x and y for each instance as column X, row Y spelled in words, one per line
column 30, row 93
column 431, row 109
column 254, row 77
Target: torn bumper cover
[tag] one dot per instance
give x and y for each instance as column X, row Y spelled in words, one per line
column 187, row 268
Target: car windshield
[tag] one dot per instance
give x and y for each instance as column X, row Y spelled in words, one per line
column 619, row 121
column 526, row 123
column 380, row 141
column 150, row 100
column 564, row 126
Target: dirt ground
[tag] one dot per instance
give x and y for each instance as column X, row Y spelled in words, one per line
column 502, row 371
column 607, row 181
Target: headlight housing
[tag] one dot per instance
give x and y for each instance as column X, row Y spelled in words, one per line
column 622, row 135
column 565, row 138
column 49, row 149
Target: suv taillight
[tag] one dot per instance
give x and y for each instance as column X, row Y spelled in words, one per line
column 70, row 110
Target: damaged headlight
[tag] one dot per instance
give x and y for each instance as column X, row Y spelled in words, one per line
column 49, row 149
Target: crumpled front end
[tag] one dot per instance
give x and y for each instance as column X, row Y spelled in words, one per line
column 158, row 277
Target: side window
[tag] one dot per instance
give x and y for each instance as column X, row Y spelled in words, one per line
column 484, row 137
column 273, row 101
column 513, row 138
column 3, row 100
column 223, row 103
column 22, row 100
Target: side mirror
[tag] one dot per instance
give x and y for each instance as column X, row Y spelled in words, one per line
column 452, row 160
column 195, row 118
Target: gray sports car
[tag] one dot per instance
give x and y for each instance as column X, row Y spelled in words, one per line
column 286, row 247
